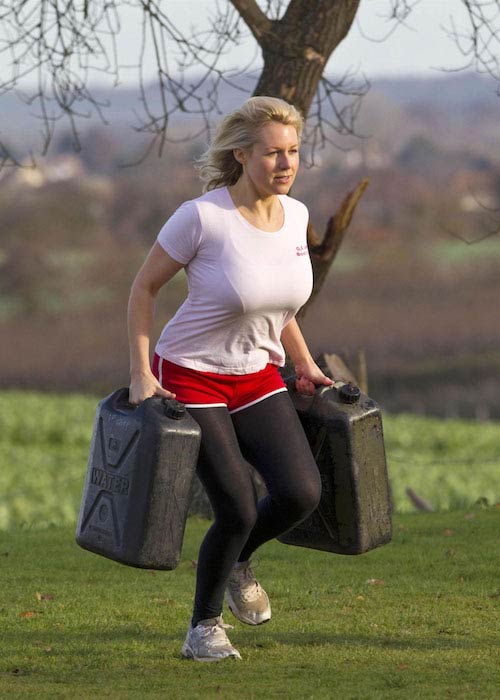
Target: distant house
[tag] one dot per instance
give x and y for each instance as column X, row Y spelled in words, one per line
column 57, row 169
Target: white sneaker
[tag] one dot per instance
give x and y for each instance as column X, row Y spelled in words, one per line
column 245, row 597
column 208, row 641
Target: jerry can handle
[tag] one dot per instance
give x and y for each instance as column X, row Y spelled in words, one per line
column 171, row 408
column 347, row 391
column 337, row 384
column 120, row 400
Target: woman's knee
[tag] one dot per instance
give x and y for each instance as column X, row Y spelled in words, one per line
column 302, row 500
column 238, row 517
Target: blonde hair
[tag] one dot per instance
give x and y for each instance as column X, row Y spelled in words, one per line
column 218, row 166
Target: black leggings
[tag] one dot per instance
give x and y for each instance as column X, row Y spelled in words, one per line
column 269, row 436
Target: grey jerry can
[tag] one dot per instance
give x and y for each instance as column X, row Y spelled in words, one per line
column 137, row 488
column 344, row 429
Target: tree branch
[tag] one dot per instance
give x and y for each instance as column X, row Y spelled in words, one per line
column 339, row 223
column 258, row 23
column 324, row 253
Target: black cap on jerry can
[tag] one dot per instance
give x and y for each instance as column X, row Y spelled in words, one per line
column 349, row 393
column 174, row 409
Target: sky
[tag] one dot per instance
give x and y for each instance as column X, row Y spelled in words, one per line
column 419, row 47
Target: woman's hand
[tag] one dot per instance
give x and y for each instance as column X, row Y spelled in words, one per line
column 144, row 385
column 309, row 376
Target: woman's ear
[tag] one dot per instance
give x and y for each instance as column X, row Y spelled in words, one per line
column 239, row 155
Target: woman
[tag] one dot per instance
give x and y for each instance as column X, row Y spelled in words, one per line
column 243, row 245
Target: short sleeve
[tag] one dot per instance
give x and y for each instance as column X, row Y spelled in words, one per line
column 180, row 236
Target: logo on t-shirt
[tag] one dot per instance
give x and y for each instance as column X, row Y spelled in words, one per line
column 301, row 250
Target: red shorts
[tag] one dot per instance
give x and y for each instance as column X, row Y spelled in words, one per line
column 207, row 389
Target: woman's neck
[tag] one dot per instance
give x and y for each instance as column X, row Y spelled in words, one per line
column 263, row 212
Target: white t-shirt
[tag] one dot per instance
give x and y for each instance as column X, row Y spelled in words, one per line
column 245, row 284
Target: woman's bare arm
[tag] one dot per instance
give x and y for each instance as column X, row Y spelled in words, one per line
column 156, row 271
column 308, row 373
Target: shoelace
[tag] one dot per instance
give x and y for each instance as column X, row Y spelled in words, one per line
column 218, row 633
column 216, row 627
column 249, row 588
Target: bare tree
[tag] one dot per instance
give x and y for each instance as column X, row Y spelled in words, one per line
column 61, row 43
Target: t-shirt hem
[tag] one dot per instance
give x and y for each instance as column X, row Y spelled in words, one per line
column 219, row 369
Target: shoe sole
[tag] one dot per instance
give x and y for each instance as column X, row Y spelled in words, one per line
column 241, row 617
column 187, row 653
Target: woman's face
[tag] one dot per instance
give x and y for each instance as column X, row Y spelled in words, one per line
column 272, row 163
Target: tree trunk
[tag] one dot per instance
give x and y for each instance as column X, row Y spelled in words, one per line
column 297, row 47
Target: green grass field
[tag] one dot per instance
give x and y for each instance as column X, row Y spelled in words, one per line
column 418, row 618
column 44, row 444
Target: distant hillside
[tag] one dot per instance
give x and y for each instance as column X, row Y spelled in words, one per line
column 448, row 97
column 446, row 91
